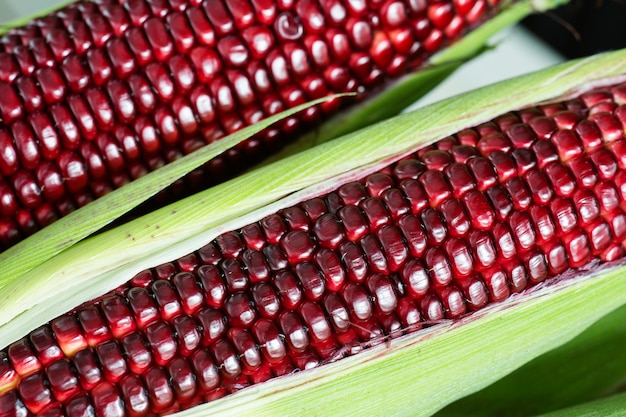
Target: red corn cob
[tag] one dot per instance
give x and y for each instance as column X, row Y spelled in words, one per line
column 102, row 92
column 491, row 211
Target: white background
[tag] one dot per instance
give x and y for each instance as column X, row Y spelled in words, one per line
column 13, row 9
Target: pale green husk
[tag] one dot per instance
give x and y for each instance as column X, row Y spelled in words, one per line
column 614, row 406
column 591, row 366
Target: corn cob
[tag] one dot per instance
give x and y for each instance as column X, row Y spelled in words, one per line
column 450, row 229
column 101, row 92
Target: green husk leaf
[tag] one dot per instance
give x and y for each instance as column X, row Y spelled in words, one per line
column 590, row 366
column 612, row 406
column 101, row 263
column 418, row 374
column 65, row 232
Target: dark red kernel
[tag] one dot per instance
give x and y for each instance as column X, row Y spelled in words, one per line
column 483, row 172
column 455, row 217
column 483, row 249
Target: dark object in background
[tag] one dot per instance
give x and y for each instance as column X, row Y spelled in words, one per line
column 594, row 26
